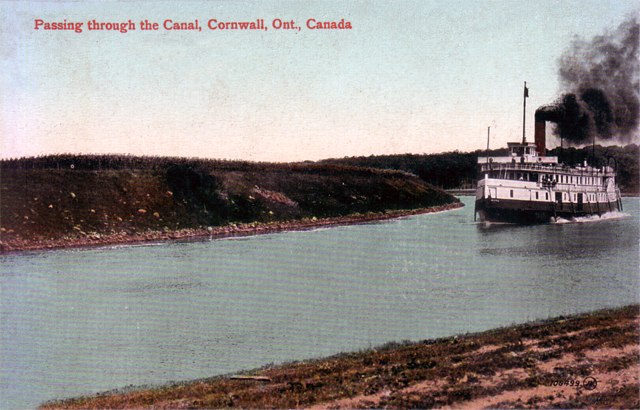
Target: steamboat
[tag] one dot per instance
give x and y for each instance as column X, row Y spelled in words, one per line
column 526, row 186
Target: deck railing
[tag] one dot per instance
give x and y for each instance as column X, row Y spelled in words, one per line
column 551, row 168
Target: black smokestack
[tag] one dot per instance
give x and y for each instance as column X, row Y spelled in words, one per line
column 601, row 79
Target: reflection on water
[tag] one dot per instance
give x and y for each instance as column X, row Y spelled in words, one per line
column 81, row 321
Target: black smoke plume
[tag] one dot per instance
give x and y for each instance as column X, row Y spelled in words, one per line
column 601, row 82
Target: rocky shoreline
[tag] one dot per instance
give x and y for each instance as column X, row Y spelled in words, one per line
column 231, row 230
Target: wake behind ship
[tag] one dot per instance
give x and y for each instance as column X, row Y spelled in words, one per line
column 526, row 186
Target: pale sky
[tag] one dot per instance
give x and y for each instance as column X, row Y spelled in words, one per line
column 410, row 77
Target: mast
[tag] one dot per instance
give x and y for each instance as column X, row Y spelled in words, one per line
column 593, row 151
column 524, row 112
column 488, row 133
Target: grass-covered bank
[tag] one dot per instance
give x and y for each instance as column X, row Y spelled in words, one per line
column 229, row 230
column 91, row 200
column 587, row 360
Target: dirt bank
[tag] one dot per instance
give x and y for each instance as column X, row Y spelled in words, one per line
column 255, row 228
column 62, row 201
column 589, row 360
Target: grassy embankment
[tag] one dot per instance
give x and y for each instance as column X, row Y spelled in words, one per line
column 79, row 201
column 513, row 367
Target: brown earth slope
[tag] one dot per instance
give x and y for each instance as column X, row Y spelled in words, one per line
column 50, row 206
column 583, row 361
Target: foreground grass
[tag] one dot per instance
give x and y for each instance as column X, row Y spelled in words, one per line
column 542, row 364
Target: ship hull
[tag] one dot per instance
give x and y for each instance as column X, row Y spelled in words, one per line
column 530, row 212
column 527, row 187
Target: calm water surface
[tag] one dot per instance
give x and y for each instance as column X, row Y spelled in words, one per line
column 83, row 321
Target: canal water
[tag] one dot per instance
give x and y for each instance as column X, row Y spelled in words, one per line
column 76, row 322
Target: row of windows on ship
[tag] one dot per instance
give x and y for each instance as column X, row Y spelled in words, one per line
column 564, row 196
column 538, row 177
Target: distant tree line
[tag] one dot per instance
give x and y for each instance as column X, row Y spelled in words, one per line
column 131, row 162
column 625, row 160
column 449, row 170
column 457, row 170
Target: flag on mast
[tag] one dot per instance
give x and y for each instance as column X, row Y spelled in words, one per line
column 524, row 111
